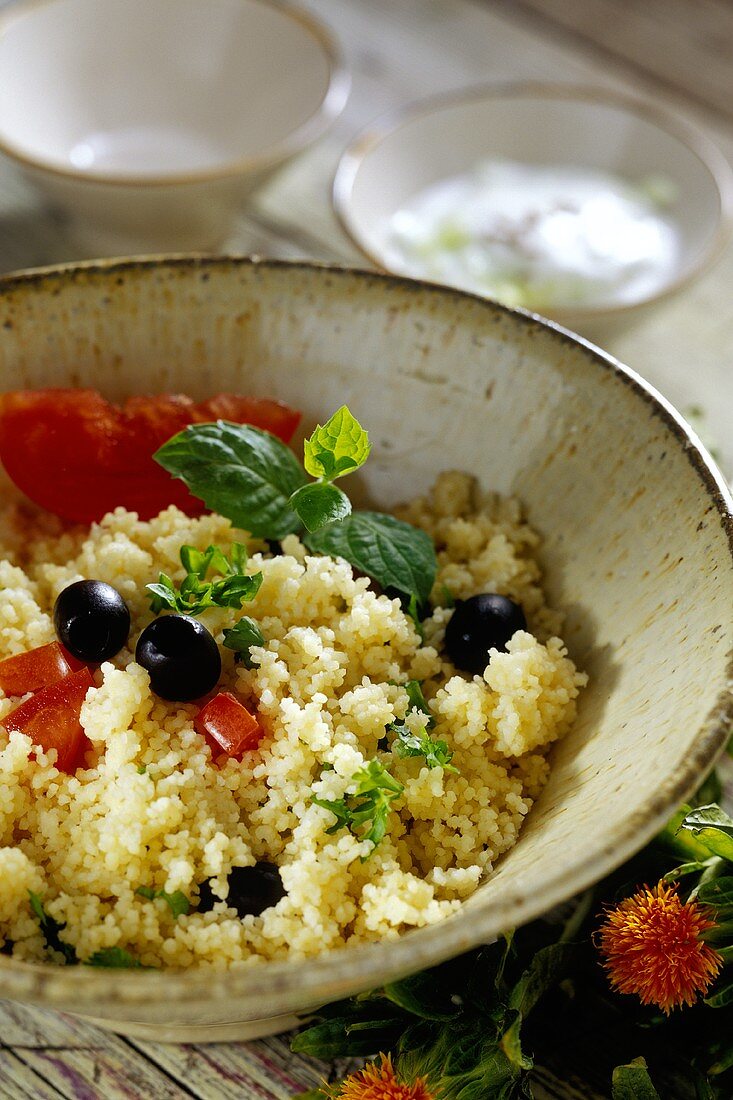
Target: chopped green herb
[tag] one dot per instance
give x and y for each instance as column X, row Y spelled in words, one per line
column 406, row 743
column 417, row 700
column 414, row 613
column 365, row 811
column 116, row 958
column 51, row 930
column 449, row 599
column 196, row 593
column 141, row 769
column 242, row 637
column 254, row 480
column 177, row 902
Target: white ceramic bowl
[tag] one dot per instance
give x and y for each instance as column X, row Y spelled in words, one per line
column 637, row 549
column 540, row 125
column 148, row 121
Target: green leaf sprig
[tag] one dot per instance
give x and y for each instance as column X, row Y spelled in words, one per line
column 255, row 480
column 115, row 958
column 365, row 811
column 337, row 448
column 52, row 930
column 177, row 902
column 242, row 636
column 407, row 743
column 233, row 586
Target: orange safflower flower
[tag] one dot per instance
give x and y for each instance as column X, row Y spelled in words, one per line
column 653, row 947
column 379, row 1082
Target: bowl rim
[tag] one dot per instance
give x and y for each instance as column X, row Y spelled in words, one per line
column 332, row 103
column 296, row 984
column 696, row 141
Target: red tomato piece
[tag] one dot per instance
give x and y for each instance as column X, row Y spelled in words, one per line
column 51, row 719
column 78, row 456
column 36, row 669
column 228, row 726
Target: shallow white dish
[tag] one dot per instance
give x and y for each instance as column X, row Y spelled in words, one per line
column 538, row 124
column 148, row 121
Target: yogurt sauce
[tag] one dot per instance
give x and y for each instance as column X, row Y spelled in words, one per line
column 539, row 236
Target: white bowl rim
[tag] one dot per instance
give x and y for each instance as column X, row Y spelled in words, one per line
column 298, row 983
column 697, row 142
column 330, row 107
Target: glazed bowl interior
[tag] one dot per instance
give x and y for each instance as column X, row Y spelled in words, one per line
column 158, row 89
column 536, row 125
column 636, row 547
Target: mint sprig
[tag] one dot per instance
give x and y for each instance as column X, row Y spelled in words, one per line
column 253, row 479
column 195, row 594
column 337, row 448
column 365, row 811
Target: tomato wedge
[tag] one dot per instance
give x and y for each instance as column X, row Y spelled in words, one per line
column 77, row 455
column 228, row 726
column 36, row 669
column 51, row 719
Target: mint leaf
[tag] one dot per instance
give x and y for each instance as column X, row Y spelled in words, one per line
column 244, row 473
column 394, row 553
column 320, row 503
column 51, row 930
column 339, row 447
column 365, row 811
column 116, row 958
column 177, row 902
column 241, row 637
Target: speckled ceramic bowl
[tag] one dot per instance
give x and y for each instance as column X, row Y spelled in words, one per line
column 637, row 549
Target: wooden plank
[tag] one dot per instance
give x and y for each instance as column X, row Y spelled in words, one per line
column 685, row 44
column 80, row 1062
column 19, row 1082
column 262, row 1070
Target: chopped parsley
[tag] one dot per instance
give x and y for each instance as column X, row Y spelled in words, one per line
column 51, row 930
column 365, row 811
column 242, row 637
column 177, row 902
column 115, row 958
column 408, row 743
column 231, row 588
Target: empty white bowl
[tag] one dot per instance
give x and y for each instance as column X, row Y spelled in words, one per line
column 545, row 125
column 148, row 121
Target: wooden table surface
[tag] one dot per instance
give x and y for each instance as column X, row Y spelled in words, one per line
column 677, row 53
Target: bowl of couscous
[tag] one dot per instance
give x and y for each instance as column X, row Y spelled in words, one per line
column 327, row 738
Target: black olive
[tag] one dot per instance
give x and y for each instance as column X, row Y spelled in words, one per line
column 92, row 620
column 181, row 656
column 479, row 624
column 251, row 890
